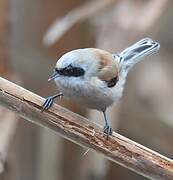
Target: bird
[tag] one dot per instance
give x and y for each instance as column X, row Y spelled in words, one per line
column 95, row 78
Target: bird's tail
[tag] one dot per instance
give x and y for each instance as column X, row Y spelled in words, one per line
column 135, row 53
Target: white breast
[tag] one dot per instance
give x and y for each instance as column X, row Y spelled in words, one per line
column 93, row 94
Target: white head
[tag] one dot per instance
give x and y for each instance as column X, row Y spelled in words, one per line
column 84, row 63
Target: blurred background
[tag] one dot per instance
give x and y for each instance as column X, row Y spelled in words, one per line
column 35, row 33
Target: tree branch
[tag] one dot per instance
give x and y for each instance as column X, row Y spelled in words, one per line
column 79, row 130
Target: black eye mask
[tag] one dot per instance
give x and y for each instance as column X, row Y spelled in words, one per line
column 70, row 71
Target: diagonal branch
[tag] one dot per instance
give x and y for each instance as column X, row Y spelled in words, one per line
column 148, row 13
column 61, row 26
column 79, row 130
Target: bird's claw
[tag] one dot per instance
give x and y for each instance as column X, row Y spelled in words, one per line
column 47, row 103
column 108, row 130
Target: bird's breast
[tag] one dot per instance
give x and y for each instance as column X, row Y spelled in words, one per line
column 93, row 94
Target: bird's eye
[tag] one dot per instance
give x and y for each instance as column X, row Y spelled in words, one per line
column 71, row 71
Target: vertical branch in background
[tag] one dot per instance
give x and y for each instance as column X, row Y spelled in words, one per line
column 4, row 29
column 8, row 120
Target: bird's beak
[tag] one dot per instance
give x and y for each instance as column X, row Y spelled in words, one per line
column 53, row 76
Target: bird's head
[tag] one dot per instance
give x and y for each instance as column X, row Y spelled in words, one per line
column 86, row 63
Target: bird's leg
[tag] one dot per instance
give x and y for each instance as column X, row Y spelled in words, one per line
column 49, row 101
column 107, row 127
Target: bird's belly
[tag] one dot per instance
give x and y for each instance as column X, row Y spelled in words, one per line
column 88, row 96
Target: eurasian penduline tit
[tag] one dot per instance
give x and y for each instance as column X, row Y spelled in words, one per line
column 95, row 78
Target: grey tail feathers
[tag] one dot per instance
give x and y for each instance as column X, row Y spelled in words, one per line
column 133, row 54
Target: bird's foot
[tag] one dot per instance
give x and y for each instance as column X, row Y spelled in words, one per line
column 47, row 103
column 108, row 130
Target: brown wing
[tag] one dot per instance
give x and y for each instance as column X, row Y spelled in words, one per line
column 108, row 67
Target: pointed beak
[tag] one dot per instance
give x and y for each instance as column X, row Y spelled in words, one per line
column 53, row 76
